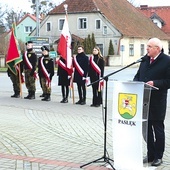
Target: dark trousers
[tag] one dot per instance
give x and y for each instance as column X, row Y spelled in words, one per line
column 15, row 82
column 97, row 97
column 65, row 91
column 81, row 91
column 29, row 81
column 156, row 139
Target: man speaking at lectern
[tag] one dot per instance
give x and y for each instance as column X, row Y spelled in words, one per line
column 155, row 71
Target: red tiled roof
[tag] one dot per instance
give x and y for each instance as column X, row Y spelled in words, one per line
column 76, row 6
column 127, row 19
column 162, row 11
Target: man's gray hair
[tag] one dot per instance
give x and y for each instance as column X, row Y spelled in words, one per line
column 157, row 42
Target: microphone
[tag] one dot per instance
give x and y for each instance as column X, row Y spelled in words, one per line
column 142, row 59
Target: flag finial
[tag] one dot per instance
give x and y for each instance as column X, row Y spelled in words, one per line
column 65, row 7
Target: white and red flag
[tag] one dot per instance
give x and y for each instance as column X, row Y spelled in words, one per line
column 64, row 46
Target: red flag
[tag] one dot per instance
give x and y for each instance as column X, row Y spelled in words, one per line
column 64, row 46
column 13, row 55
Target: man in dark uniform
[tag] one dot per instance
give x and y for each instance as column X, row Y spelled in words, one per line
column 46, row 72
column 15, row 82
column 81, row 63
column 29, row 62
column 155, row 71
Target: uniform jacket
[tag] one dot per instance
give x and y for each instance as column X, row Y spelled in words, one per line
column 83, row 61
column 32, row 57
column 159, row 72
column 48, row 64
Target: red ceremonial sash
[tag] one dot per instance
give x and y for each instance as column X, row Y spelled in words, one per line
column 63, row 66
column 29, row 65
column 98, row 70
column 94, row 65
column 45, row 72
column 77, row 67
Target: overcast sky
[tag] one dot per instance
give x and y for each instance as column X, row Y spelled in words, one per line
column 151, row 2
column 22, row 4
column 25, row 4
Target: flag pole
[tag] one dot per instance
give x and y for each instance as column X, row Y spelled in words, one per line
column 72, row 86
column 72, row 77
column 20, row 82
column 65, row 7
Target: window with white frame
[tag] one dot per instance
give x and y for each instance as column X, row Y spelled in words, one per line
column 61, row 23
column 142, row 49
column 48, row 26
column 131, row 49
column 98, row 24
column 105, row 30
column 28, row 29
column 101, row 48
column 82, row 23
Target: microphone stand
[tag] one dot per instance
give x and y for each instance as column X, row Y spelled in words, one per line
column 104, row 157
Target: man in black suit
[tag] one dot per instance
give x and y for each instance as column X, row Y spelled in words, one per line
column 81, row 62
column 155, row 71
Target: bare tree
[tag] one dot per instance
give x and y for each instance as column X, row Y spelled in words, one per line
column 13, row 17
column 44, row 6
column 3, row 10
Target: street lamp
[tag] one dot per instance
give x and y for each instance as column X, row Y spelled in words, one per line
column 36, row 2
column 37, row 19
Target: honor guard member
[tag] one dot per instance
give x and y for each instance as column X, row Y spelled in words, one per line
column 80, row 62
column 46, row 71
column 29, row 62
column 15, row 80
column 96, row 72
column 64, row 75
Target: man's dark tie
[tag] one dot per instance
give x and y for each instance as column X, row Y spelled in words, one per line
column 151, row 60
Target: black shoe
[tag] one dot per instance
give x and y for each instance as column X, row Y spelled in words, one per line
column 79, row 102
column 83, row 103
column 32, row 97
column 97, row 105
column 65, row 100
column 15, row 96
column 92, row 105
column 42, row 95
column 147, row 160
column 156, row 162
column 46, row 98
column 62, row 101
column 27, row 97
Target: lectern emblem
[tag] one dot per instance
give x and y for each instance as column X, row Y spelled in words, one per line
column 127, row 105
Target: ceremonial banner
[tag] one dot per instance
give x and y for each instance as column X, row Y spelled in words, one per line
column 127, row 125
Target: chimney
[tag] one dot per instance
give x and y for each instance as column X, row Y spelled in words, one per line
column 142, row 7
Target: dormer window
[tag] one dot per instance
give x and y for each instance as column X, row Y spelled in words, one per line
column 157, row 20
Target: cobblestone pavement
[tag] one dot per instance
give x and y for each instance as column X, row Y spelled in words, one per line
column 37, row 135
